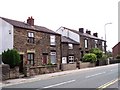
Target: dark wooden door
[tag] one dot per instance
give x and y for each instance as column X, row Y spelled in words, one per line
column 21, row 64
column 44, row 59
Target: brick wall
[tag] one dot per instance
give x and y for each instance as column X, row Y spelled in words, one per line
column 116, row 50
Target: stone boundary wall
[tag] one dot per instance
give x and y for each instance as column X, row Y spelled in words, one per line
column 4, row 72
column 86, row 64
column 71, row 66
column 37, row 70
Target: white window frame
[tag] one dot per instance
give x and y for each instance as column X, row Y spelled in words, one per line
column 53, row 54
column 96, row 43
column 31, row 34
column 52, row 40
column 86, row 43
column 103, row 46
column 70, row 46
column 71, row 59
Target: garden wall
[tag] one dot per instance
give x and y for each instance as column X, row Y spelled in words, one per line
column 71, row 66
column 86, row 64
column 31, row 71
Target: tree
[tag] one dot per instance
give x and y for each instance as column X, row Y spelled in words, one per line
column 11, row 57
column 90, row 57
column 97, row 52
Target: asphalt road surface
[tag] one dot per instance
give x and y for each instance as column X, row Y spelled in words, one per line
column 93, row 78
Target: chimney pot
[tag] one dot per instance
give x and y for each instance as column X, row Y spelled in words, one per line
column 88, row 32
column 81, row 30
column 95, row 34
column 30, row 21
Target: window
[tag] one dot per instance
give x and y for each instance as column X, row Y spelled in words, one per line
column 70, row 46
column 30, row 57
column 86, row 43
column 103, row 46
column 31, row 37
column 71, row 59
column 96, row 43
column 53, row 57
column 52, row 40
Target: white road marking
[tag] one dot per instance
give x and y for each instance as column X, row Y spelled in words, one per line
column 59, row 84
column 95, row 74
column 111, row 70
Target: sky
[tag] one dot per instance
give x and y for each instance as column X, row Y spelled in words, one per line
column 73, row 14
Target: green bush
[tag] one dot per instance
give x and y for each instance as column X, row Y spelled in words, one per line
column 118, row 57
column 90, row 57
column 11, row 57
column 104, row 57
column 97, row 52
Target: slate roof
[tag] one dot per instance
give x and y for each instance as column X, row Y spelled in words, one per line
column 83, row 34
column 68, row 40
column 27, row 26
column 118, row 44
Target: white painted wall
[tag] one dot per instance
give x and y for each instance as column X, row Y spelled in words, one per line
column 68, row 33
column 6, row 39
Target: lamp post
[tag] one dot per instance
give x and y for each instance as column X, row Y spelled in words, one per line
column 105, row 28
column 105, row 32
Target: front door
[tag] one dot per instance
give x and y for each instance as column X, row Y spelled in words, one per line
column 21, row 64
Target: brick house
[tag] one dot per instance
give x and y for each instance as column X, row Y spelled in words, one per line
column 70, row 51
column 86, row 40
column 37, row 45
column 116, row 50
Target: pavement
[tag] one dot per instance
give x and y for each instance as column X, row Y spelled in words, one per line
column 43, row 76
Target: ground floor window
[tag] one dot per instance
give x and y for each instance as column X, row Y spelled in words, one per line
column 71, row 59
column 64, row 60
column 30, row 57
column 53, row 57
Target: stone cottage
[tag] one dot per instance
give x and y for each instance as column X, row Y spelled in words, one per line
column 37, row 45
column 86, row 39
column 70, row 53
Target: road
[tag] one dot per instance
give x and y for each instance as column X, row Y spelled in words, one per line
column 93, row 78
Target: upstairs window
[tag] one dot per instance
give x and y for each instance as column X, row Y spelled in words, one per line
column 86, row 43
column 52, row 40
column 31, row 38
column 96, row 43
column 70, row 46
column 103, row 46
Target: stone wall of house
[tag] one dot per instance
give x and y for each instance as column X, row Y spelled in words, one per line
column 68, row 66
column 41, row 45
column 66, row 51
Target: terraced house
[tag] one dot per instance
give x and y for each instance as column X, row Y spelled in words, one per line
column 86, row 40
column 37, row 45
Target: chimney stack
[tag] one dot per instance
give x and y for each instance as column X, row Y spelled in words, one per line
column 88, row 32
column 95, row 34
column 30, row 21
column 81, row 30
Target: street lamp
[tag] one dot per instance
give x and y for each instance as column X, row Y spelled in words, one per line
column 105, row 28
column 105, row 33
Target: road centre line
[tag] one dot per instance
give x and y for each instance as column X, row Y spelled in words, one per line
column 95, row 74
column 60, row 84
